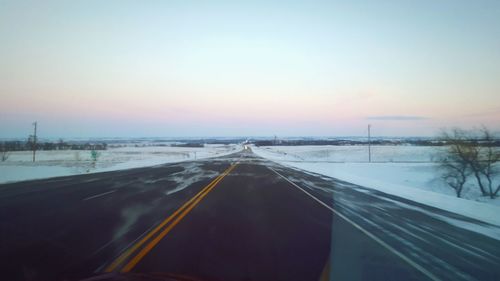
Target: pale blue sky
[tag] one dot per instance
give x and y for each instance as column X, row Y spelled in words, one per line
column 191, row 68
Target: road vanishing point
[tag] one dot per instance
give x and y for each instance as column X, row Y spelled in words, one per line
column 236, row 217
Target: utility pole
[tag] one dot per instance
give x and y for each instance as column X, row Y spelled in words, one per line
column 369, row 144
column 34, row 141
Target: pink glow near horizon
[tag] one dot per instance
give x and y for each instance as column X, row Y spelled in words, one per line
column 235, row 70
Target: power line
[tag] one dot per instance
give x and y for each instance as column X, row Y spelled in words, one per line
column 34, row 141
column 369, row 144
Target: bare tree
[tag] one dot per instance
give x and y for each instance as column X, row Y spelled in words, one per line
column 454, row 164
column 4, row 152
column 471, row 152
column 483, row 159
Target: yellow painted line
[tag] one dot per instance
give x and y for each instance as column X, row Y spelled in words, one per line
column 126, row 254
column 114, row 265
column 144, row 251
column 325, row 274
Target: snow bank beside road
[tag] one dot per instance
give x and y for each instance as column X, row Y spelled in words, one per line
column 414, row 181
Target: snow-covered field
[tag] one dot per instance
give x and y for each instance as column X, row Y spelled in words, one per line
column 405, row 171
column 19, row 165
column 354, row 153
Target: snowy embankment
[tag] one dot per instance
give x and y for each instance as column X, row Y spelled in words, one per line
column 406, row 171
column 54, row 163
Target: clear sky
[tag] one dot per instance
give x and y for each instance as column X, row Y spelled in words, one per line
column 243, row 68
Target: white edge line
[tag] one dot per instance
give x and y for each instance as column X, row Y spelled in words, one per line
column 378, row 240
column 99, row 195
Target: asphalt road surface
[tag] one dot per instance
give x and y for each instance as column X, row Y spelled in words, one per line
column 238, row 217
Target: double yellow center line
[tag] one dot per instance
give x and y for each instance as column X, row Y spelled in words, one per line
column 128, row 259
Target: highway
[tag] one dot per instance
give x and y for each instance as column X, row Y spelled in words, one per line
column 237, row 217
